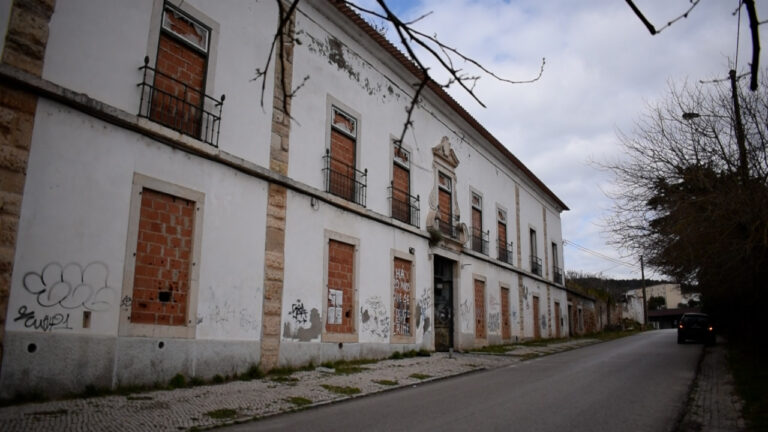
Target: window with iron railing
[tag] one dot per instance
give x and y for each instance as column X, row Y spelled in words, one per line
column 505, row 252
column 448, row 227
column 405, row 207
column 480, row 240
column 344, row 180
column 557, row 275
column 536, row 265
column 179, row 106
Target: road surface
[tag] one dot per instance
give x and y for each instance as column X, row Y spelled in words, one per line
column 638, row 383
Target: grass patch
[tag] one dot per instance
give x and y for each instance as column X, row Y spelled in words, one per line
column 348, row 367
column 285, row 379
column 221, row 414
column 397, row 355
column 495, row 349
column 178, row 381
column 299, row 401
column 611, row 335
column 342, row 390
column 386, row 382
column 252, row 373
column 419, row 376
column 751, row 379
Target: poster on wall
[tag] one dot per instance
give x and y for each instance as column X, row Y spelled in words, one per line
column 335, row 303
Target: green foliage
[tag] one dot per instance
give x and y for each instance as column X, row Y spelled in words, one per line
column 343, row 390
column 178, row 381
column 419, row 376
column 386, row 382
column 657, row 302
column 751, row 379
column 299, row 401
column 218, row 379
column 397, row 355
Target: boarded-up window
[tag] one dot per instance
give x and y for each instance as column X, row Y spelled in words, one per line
column 163, row 258
column 341, row 293
column 342, row 173
column 401, row 185
column 402, row 300
column 445, row 204
column 506, row 327
column 479, row 309
column 179, row 85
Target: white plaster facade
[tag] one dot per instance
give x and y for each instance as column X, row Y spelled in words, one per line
column 88, row 146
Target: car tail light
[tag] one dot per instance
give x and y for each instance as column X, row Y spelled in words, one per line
column 681, row 326
column 710, row 328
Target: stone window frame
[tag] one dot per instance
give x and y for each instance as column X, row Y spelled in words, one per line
column 410, row 258
column 155, row 28
column 505, row 286
column 126, row 327
column 327, row 336
column 331, row 104
column 393, row 161
column 484, row 279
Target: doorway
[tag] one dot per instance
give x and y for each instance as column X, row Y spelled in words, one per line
column 536, row 317
column 443, row 303
column 557, row 320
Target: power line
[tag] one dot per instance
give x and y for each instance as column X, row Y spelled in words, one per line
column 600, row 255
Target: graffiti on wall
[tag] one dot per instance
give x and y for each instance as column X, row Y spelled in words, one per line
column 422, row 309
column 465, row 313
column 402, row 301
column 543, row 320
column 44, row 322
column 226, row 315
column 298, row 329
column 494, row 315
column 374, row 317
column 71, row 286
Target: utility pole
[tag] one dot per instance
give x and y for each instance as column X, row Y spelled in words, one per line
column 739, row 128
column 645, row 302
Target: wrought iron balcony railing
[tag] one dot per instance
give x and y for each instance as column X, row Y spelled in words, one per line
column 505, row 252
column 557, row 275
column 175, row 104
column 405, row 207
column 536, row 265
column 480, row 240
column 344, row 180
column 447, row 227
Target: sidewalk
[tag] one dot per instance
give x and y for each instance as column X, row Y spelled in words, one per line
column 214, row 405
column 713, row 405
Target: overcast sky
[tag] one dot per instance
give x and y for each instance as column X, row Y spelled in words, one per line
column 602, row 70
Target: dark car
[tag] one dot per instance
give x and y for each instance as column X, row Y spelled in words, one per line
column 696, row 326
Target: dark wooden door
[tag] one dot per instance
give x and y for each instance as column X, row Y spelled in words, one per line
column 536, row 319
column 443, row 304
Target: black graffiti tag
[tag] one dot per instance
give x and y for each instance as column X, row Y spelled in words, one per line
column 45, row 322
column 71, row 286
column 298, row 313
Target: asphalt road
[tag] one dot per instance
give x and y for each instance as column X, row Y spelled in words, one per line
column 638, row 383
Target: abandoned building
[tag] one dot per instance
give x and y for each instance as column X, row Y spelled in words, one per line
column 161, row 215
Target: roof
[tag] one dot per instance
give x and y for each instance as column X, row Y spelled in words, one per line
column 442, row 94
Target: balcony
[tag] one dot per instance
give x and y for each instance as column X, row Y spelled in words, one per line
column 480, row 241
column 505, row 252
column 557, row 275
column 447, row 227
column 536, row 265
column 176, row 105
column 405, row 207
column 344, row 180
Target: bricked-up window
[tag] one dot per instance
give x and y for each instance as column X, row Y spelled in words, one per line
column 181, row 67
column 445, row 204
column 342, row 175
column 163, row 258
column 401, row 199
column 341, row 290
column 506, row 326
column 479, row 309
column 479, row 238
column 402, row 301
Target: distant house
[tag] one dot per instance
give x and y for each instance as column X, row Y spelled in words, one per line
column 158, row 220
column 675, row 304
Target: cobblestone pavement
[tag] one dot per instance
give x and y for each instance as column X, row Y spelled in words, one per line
column 713, row 406
column 213, row 405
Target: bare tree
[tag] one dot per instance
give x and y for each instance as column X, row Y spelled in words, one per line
column 754, row 24
column 694, row 202
column 413, row 41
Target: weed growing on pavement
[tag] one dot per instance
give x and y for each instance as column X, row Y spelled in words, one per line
column 299, row 401
column 283, row 379
column 495, row 349
column 342, row 390
column 528, row 356
column 57, row 412
column 386, row 382
column 222, row 413
column 419, row 376
column 218, row 379
column 397, row 355
column 138, row 398
column 178, row 381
